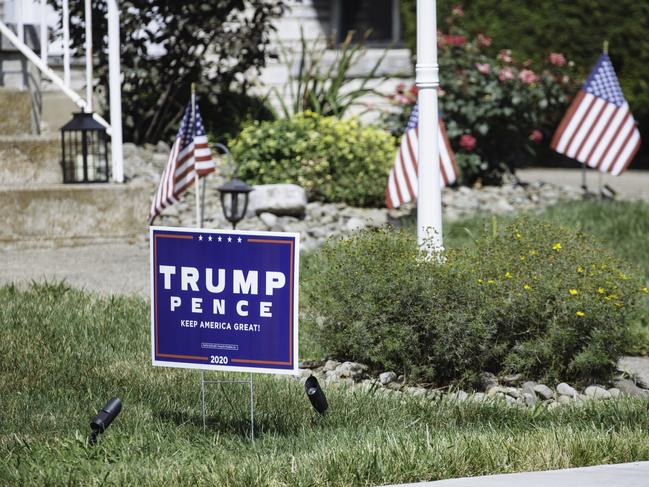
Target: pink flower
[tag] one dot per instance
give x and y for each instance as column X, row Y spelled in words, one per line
column 557, row 59
column 505, row 55
column 528, row 76
column 536, row 136
column 453, row 40
column 467, row 142
column 505, row 74
column 458, row 11
column 484, row 68
column 484, row 40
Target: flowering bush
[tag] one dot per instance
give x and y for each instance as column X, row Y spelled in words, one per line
column 499, row 112
column 333, row 160
column 533, row 297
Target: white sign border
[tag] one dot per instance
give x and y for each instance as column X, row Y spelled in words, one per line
column 230, row 368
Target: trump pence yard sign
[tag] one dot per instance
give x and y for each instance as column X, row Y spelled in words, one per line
column 224, row 300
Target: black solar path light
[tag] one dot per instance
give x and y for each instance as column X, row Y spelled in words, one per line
column 104, row 418
column 316, row 395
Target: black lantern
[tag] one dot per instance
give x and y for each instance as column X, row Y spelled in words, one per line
column 234, row 193
column 234, row 200
column 85, row 150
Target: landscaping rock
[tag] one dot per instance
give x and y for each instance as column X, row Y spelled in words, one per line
column 529, row 399
column 614, row 392
column 355, row 223
column 278, row 199
column 512, row 379
column 268, row 219
column 458, row 396
column 386, row 377
column 488, row 380
column 566, row 390
column 544, row 391
column 528, row 387
column 351, row 370
column 597, row 392
column 416, row 391
column 311, row 364
column 330, row 365
column 636, row 367
column 629, row 388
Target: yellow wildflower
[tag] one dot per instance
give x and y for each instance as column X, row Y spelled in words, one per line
column 527, row 287
column 645, row 290
column 533, row 252
column 573, row 292
column 490, row 281
column 580, row 269
column 600, row 290
column 522, row 257
column 508, row 275
column 556, row 246
column 480, row 281
column 580, row 313
column 518, row 235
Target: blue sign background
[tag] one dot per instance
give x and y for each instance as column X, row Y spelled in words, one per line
column 181, row 337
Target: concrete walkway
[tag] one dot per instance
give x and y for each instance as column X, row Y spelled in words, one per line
column 630, row 185
column 620, row 475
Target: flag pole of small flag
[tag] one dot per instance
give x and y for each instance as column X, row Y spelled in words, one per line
column 190, row 159
column 402, row 184
column 598, row 129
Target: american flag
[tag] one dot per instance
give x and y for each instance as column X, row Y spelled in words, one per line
column 190, row 155
column 598, row 128
column 402, row 183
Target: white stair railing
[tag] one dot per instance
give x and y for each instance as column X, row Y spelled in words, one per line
column 115, row 102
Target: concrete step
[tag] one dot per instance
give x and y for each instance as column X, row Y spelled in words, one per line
column 16, row 114
column 57, row 111
column 74, row 213
column 30, row 159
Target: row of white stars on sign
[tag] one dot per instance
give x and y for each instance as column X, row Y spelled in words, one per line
column 219, row 239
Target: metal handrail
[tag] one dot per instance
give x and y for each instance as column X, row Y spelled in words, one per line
column 31, row 55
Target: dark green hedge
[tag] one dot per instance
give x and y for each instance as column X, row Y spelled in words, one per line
column 576, row 28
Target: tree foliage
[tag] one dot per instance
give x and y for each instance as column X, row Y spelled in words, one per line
column 166, row 45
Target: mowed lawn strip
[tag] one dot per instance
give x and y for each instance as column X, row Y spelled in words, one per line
column 64, row 352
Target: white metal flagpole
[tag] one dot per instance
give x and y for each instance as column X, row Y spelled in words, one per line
column 66, row 43
column 88, row 20
column 197, row 186
column 115, row 91
column 429, row 194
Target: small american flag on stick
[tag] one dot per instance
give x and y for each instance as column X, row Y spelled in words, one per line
column 598, row 128
column 190, row 159
column 402, row 183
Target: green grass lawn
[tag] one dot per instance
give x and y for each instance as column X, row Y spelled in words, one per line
column 63, row 353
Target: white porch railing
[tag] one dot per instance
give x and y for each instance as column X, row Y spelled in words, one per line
column 115, row 102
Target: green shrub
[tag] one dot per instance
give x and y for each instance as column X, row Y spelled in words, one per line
column 334, row 160
column 533, row 298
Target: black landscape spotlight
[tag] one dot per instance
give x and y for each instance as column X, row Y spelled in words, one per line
column 316, row 395
column 104, row 418
column 234, row 193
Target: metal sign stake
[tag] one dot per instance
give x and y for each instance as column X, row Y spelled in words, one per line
column 252, row 399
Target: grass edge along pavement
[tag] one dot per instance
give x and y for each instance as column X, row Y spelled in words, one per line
column 64, row 352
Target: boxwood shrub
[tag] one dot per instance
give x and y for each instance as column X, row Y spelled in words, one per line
column 534, row 298
column 334, row 160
